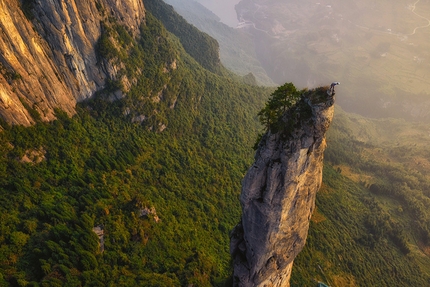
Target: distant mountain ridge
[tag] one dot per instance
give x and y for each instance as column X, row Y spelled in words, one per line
column 199, row 45
column 237, row 51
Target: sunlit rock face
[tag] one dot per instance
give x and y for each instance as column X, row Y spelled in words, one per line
column 48, row 59
column 278, row 194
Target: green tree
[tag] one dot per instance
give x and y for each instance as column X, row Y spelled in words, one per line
column 279, row 102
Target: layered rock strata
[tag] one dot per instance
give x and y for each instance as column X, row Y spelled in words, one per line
column 48, row 55
column 278, row 194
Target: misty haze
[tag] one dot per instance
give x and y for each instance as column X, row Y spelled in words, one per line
column 224, row 9
column 379, row 51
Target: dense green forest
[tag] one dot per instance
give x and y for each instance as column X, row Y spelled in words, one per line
column 159, row 172
column 371, row 226
column 199, row 45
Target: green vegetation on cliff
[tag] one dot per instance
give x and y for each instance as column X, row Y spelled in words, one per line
column 203, row 48
column 237, row 52
column 371, row 227
column 282, row 99
column 158, row 171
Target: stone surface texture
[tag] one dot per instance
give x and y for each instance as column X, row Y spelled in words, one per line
column 48, row 58
column 278, row 194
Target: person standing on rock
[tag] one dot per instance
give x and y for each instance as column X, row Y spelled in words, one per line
column 331, row 91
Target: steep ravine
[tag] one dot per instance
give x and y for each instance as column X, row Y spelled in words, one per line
column 278, row 194
column 48, row 55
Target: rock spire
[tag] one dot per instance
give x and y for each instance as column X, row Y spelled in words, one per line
column 278, row 194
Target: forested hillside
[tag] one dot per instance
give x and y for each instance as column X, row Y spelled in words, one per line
column 142, row 190
column 371, row 226
column 237, row 51
column 158, row 172
column 199, row 45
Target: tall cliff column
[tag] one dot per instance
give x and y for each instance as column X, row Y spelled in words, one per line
column 278, row 194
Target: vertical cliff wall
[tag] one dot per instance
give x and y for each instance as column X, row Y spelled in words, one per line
column 47, row 55
column 278, row 194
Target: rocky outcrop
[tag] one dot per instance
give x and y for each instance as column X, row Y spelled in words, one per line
column 278, row 194
column 47, row 55
column 99, row 231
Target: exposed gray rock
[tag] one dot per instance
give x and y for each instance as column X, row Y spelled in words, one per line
column 99, row 231
column 278, row 194
column 147, row 212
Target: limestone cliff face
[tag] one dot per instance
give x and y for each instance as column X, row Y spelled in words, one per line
column 50, row 61
column 278, row 194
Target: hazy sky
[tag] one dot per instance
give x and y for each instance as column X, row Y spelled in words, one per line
column 223, row 9
column 379, row 51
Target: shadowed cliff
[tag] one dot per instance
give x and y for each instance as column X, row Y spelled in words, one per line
column 278, row 193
